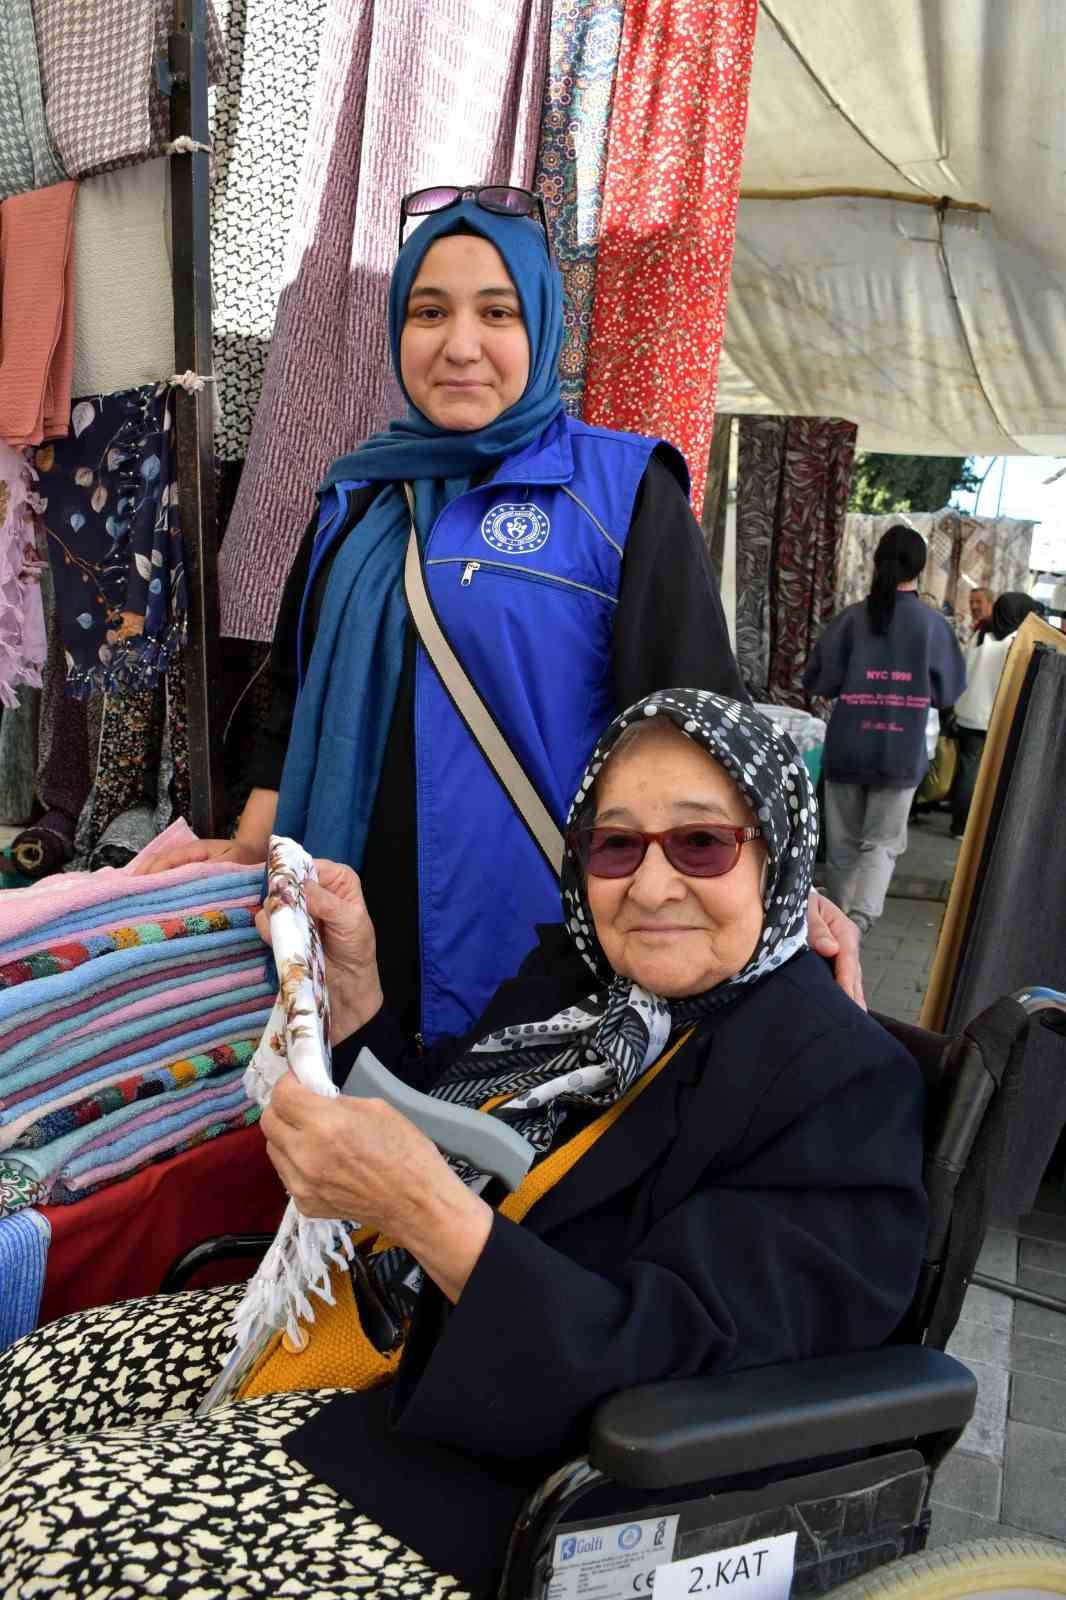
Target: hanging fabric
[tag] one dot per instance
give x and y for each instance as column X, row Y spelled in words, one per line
column 271, row 53
column 669, row 219
column 114, row 540
column 36, row 314
column 63, row 775
column 102, row 97
column 760, row 462
column 812, row 505
column 418, row 99
column 123, row 282
column 584, row 42
column 131, row 734
column 793, row 481
column 27, row 158
column 22, row 638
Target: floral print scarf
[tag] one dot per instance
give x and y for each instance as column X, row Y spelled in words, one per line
column 110, row 512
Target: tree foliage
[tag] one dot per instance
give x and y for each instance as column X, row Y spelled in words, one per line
column 907, row 483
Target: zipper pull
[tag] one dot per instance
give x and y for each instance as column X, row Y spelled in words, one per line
column 468, row 573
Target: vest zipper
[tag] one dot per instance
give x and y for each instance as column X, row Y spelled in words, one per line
column 531, row 575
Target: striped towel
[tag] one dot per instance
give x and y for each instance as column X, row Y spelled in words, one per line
column 24, row 1242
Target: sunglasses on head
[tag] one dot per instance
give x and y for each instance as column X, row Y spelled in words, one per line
column 696, row 850
column 501, row 199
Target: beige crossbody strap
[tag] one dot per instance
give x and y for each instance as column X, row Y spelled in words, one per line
column 473, row 710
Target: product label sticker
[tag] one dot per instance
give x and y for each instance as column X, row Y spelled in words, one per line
column 615, row 1563
column 761, row 1570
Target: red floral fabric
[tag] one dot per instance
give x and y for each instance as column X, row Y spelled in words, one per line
column 669, row 219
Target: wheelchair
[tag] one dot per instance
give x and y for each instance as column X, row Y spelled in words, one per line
column 841, row 1451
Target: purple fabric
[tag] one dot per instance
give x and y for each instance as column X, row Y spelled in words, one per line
column 328, row 381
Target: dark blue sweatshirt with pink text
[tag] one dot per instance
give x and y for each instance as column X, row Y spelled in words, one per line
column 883, row 685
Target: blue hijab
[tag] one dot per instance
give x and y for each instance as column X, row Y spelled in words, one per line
column 337, row 743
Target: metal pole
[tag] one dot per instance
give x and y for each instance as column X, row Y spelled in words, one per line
column 193, row 416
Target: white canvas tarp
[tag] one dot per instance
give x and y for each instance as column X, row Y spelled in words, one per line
column 938, row 330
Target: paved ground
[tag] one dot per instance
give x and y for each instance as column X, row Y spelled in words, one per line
column 1008, row 1473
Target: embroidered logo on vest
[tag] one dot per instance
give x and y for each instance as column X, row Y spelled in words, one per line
column 516, row 530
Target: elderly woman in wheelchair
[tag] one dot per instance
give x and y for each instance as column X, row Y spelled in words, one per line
column 728, row 1174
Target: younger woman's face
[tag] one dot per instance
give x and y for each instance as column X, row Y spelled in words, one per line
column 464, row 351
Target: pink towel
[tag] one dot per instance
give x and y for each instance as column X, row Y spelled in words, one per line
column 23, row 910
column 36, row 314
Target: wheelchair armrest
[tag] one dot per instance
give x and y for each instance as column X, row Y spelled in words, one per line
column 224, row 1247
column 688, row 1430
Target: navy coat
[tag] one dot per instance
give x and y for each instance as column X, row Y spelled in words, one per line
column 760, row 1202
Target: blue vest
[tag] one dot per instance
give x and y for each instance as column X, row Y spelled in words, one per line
column 524, row 575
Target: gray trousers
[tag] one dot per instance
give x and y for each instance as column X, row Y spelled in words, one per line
column 866, row 831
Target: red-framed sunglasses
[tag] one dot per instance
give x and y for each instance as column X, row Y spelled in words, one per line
column 696, row 849
column 502, row 199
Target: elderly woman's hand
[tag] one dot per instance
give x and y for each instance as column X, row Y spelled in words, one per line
column 337, row 905
column 830, row 933
column 362, row 1160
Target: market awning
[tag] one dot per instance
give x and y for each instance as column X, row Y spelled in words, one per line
column 938, row 328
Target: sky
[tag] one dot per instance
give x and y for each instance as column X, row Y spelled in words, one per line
column 1015, row 486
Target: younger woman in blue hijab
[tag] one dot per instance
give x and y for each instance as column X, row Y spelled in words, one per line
column 568, row 573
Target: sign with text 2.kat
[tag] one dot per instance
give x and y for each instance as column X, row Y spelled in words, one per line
column 761, row 1570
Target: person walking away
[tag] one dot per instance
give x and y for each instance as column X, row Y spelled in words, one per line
column 884, row 661
column 986, row 656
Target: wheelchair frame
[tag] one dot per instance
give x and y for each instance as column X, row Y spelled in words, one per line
column 859, row 1436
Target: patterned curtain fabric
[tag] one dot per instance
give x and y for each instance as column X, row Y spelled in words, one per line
column 406, row 96
column 271, row 59
column 794, row 477
column 760, row 460
column 586, row 36
column 813, row 503
column 669, row 219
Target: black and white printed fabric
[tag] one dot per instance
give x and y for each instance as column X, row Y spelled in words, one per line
column 590, row 1054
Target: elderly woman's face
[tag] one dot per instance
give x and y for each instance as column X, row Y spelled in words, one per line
column 674, row 935
column 464, row 352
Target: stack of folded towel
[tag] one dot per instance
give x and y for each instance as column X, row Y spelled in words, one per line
column 130, row 1004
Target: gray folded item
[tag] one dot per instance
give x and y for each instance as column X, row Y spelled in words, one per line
column 482, row 1142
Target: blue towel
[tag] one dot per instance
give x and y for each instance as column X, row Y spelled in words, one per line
column 24, row 1241
column 166, row 902
column 64, row 986
column 42, row 1055
column 184, row 1044
column 101, row 977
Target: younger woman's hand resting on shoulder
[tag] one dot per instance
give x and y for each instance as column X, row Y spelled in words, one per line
column 348, row 943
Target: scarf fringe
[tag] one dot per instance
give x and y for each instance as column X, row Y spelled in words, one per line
column 138, row 663
column 297, row 1265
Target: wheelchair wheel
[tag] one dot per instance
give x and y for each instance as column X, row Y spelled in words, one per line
column 1014, row 1569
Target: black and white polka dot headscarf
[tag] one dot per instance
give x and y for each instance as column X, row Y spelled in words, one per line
column 592, row 1053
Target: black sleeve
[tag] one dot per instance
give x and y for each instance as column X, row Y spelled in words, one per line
column 272, row 734
column 670, row 629
column 809, row 1246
